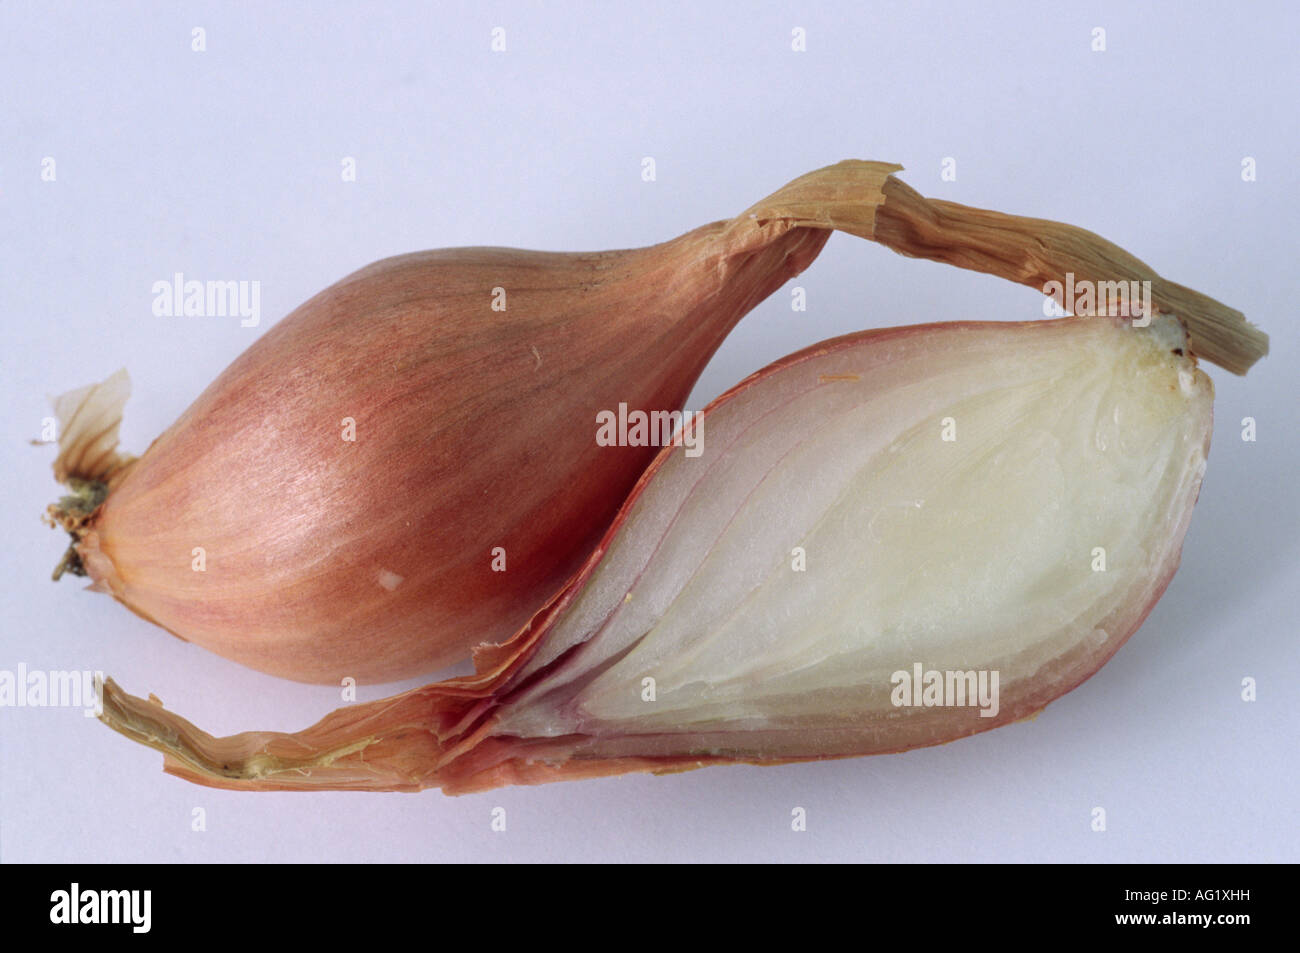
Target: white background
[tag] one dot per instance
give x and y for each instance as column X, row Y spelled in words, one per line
column 226, row 164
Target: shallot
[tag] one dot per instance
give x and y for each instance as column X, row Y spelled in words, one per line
column 409, row 465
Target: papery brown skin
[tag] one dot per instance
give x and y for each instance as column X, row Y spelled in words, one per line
column 475, row 428
column 461, row 735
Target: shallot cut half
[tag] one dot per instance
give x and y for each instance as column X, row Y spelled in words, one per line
column 893, row 539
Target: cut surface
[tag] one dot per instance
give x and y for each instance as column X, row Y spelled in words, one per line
column 992, row 498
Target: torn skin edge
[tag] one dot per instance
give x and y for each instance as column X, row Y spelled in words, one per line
column 393, row 744
column 1035, row 251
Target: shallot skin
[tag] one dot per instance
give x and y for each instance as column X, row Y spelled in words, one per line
column 536, row 710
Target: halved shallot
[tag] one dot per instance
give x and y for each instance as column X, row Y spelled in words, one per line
column 893, row 539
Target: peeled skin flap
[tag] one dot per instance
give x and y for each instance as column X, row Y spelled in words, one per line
column 952, row 492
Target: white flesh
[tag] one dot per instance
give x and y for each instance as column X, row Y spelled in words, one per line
column 976, row 553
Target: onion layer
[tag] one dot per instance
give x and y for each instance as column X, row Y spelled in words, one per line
column 1000, row 502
